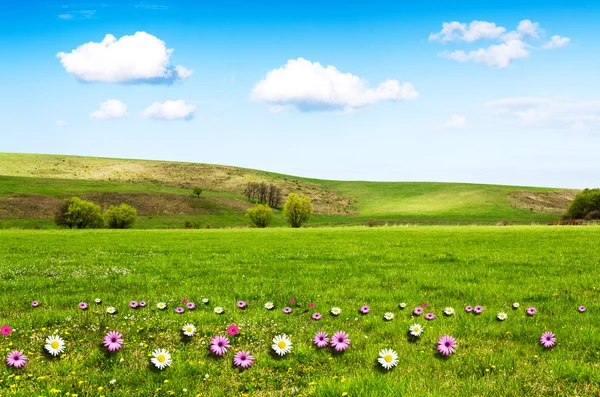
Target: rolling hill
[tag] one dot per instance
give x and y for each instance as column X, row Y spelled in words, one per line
column 33, row 185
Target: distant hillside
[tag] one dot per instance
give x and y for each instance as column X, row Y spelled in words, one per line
column 32, row 186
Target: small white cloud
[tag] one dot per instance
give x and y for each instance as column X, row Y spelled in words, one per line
column 498, row 55
column 170, row 110
column 61, row 123
column 456, row 121
column 65, row 16
column 456, row 31
column 110, row 109
column 556, row 41
column 529, row 29
column 141, row 58
column 83, row 14
column 312, row 87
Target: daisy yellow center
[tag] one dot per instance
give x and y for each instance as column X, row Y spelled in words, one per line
column 188, row 329
column 388, row 358
column 55, row 345
column 416, row 329
column 282, row 345
column 161, row 358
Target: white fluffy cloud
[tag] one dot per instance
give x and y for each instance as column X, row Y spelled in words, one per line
column 513, row 44
column 545, row 112
column 456, row 121
column 170, row 110
column 141, row 58
column 110, row 109
column 61, row 123
column 310, row 87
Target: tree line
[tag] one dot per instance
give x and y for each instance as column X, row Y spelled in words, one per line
column 81, row 214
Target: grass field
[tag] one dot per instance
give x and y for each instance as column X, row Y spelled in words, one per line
column 555, row 269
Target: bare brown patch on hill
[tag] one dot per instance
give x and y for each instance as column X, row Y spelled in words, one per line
column 27, row 206
column 554, row 202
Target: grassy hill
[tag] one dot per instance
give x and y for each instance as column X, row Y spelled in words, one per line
column 32, row 186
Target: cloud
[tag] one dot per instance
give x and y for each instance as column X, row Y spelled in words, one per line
column 61, row 123
column 312, row 87
column 141, row 58
column 83, row 14
column 456, row 121
column 547, row 112
column 170, row 110
column 151, row 6
column 556, row 41
column 512, row 44
column 110, row 109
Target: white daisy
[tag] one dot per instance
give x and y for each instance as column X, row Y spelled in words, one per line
column 336, row 311
column 449, row 311
column 161, row 305
column 415, row 330
column 98, row 300
column 502, row 316
column 402, row 305
column 111, row 310
column 205, row 301
column 516, row 305
column 389, row 316
column 282, row 344
column 269, row 305
column 189, row 330
column 55, row 345
column 388, row 358
column 219, row 310
column 161, row 358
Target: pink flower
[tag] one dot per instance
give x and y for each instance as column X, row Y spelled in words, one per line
column 340, row 341
column 478, row 309
column 292, row 300
column 425, row 304
column 179, row 310
column 321, row 340
column 417, row 311
column 219, row 345
column 446, row 345
column 113, row 341
column 311, row 305
column 429, row 316
column 143, row 304
column 83, row 306
column 469, row 309
column 531, row 311
column 233, row 330
column 581, row 309
column 133, row 304
column 5, row 330
column 317, row 316
column 190, row 305
column 548, row 339
column 241, row 304
column 243, row 359
column 287, row 310
column 35, row 303
column 184, row 300
column 16, row 359
column 365, row 309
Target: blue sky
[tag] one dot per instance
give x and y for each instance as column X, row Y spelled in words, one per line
column 512, row 98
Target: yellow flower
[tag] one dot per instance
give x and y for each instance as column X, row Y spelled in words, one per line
column 166, row 381
column 344, row 394
column 100, row 388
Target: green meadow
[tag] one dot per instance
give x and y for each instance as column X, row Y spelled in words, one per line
column 554, row 269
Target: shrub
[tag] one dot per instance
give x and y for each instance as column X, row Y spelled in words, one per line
column 593, row 215
column 198, row 191
column 372, row 222
column 584, row 203
column 297, row 209
column 121, row 217
column 502, row 223
column 260, row 216
column 191, row 225
column 80, row 214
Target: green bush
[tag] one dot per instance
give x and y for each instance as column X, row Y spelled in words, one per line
column 260, row 216
column 79, row 214
column 121, row 217
column 198, row 191
column 297, row 209
column 584, row 203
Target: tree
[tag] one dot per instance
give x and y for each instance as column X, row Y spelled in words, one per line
column 80, row 214
column 198, row 191
column 297, row 209
column 262, row 193
column 584, row 203
column 121, row 217
column 260, row 216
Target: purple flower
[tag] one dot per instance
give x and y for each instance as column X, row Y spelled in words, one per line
column 83, row 306
column 446, row 345
column 243, row 359
column 190, row 305
column 311, row 305
column 219, row 345
column 35, row 303
column 531, row 311
column 179, row 310
column 113, row 341
column 241, row 304
column 340, row 341
column 581, row 309
column 321, row 340
column 16, row 359
column 429, row 316
column 233, row 330
column 417, row 311
column 365, row 309
column 317, row 316
column 548, row 339
column 469, row 309
column 184, row 300
column 6, row 330
column 292, row 300
column 287, row 310
column 143, row 304
column 133, row 304
column 478, row 309
column 425, row 304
